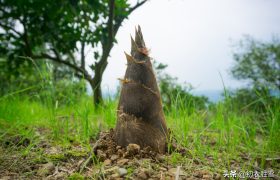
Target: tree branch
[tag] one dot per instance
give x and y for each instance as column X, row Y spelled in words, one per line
column 83, row 64
column 119, row 21
column 55, row 59
column 56, row 54
column 6, row 27
column 112, row 31
column 71, row 56
column 106, row 48
column 137, row 5
column 25, row 39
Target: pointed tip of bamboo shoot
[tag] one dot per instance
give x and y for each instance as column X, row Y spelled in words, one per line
column 139, row 38
column 128, row 57
column 140, row 32
column 134, row 47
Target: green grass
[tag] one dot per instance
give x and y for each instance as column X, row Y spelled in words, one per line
column 217, row 139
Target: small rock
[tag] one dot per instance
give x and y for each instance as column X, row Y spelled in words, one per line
column 114, row 157
column 142, row 175
column 101, row 155
column 133, row 149
column 122, row 162
column 107, row 162
column 122, row 172
column 118, row 147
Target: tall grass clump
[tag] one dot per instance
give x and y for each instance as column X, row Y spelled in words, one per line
column 62, row 107
column 226, row 128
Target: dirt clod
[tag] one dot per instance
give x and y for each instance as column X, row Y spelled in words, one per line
column 133, row 149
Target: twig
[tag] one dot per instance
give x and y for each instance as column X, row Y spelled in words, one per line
column 177, row 173
column 85, row 164
column 91, row 154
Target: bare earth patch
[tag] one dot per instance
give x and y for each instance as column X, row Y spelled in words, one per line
column 105, row 160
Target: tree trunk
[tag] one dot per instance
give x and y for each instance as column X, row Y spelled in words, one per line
column 97, row 94
column 97, row 80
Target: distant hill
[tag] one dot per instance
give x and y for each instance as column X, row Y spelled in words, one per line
column 213, row 95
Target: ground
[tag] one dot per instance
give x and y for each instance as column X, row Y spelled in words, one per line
column 103, row 159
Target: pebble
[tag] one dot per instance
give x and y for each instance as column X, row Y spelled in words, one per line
column 122, row 172
column 133, row 149
column 142, row 175
column 107, row 162
column 114, row 157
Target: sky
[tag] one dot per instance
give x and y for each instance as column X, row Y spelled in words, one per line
column 194, row 38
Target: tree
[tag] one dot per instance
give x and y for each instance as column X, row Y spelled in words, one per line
column 59, row 30
column 258, row 62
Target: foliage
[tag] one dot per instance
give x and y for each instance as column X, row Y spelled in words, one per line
column 253, row 100
column 41, row 84
column 58, row 31
column 258, row 62
column 64, row 92
column 173, row 92
column 13, row 79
